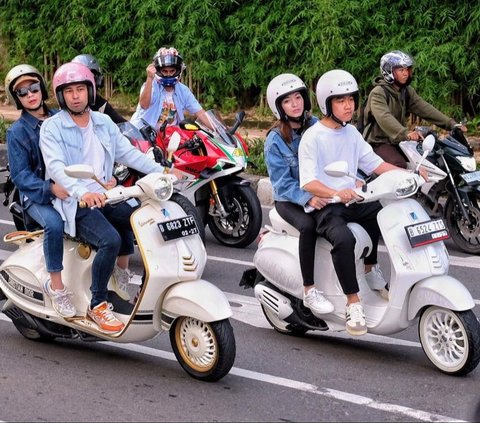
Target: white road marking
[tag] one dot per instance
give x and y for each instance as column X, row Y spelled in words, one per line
column 305, row 387
column 7, row 222
column 297, row 385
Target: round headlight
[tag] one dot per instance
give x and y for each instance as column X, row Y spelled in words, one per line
column 163, row 188
column 406, row 187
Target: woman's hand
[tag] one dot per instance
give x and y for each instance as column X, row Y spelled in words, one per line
column 58, row 191
column 318, row 202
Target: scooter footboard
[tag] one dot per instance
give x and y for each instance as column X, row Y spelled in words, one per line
column 198, row 299
column 442, row 291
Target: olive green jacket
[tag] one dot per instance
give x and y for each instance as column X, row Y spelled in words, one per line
column 390, row 124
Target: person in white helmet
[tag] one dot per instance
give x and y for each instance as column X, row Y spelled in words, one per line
column 389, row 104
column 287, row 97
column 329, row 140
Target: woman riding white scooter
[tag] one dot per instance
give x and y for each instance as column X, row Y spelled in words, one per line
column 288, row 98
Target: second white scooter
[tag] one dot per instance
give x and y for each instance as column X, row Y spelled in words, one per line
column 420, row 288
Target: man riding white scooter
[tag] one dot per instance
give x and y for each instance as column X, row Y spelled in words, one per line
column 327, row 141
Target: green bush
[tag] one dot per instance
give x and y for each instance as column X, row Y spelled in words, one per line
column 4, row 124
column 256, row 157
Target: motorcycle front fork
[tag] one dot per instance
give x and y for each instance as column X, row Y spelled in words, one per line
column 216, row 205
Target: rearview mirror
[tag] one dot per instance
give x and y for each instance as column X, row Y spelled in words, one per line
column 173, row 143
column 428, row 143
column 80, row 171
column 337, row 169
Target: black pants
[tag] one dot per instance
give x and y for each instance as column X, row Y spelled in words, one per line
column 332, row 225
column 306, row 225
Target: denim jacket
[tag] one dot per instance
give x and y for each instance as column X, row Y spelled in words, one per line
column 61, row 143
column 282, row 165
column 27, row 168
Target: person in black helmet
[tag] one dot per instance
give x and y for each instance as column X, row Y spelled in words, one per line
column 389, row 104
column 163, row 98
column 101, row 104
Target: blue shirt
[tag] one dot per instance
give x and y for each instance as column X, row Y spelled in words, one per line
column 183, row 99
column 62, row 145
column 27, row 168
column 282, row 165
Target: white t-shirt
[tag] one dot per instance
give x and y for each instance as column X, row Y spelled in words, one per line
column 321, row 146
column 93, row 155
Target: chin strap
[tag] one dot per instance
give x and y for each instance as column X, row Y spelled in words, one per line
column 302, row 119
column 340, row 122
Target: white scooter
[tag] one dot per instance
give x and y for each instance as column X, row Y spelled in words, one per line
column 173, row 297
column 419, row 286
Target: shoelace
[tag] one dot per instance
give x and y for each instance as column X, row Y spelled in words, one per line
column 63, row 297
column 356, row 313
column 107, row 313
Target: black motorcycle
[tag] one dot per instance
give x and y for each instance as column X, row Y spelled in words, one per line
column 453, row 189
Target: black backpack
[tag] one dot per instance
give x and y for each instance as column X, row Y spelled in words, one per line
column 371, row 119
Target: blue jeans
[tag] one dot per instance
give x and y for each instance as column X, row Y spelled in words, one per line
column 108, row 230
column 51, row 222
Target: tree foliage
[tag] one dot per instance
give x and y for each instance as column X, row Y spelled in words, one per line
column 233, row 48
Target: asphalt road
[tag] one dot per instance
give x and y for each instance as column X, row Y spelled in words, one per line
column 318, row 377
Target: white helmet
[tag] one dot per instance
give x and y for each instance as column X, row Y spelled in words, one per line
column 335, row 83
column 282, row 85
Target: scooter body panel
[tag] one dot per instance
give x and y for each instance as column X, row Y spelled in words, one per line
column 443, row 291
column 198, row 299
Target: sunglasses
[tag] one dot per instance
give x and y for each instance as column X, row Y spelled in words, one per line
column 34, row 88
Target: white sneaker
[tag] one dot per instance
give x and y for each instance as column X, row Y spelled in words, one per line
column 375, row 279
column 119, row 282
column 61, row 302
column 315, row 301
column 355, row 319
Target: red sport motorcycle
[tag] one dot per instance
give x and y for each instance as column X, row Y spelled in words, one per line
column 211, row 160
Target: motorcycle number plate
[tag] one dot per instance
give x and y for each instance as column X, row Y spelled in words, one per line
column 426, row 232
column 471, row 177
column 178, row 228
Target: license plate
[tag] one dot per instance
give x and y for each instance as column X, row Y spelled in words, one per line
column 178, row 228
column 471, row 177
column 426, row 232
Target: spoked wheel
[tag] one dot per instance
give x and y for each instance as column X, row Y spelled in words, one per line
column 466, row 235
column 450, row 339
column 280, row 325
column 206, row 351
column 241, row 227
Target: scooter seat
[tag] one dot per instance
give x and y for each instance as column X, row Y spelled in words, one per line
column 363, row 245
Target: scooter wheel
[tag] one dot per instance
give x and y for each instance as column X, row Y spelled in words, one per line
column 206, row 351
column 450, row 339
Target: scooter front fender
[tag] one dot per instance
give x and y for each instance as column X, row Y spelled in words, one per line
column 198, row 299
column 443, row 291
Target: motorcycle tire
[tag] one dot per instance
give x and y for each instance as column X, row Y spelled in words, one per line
column 465, row 236
column 206, row 351
column 243, row 224
column 189, row 208
column 450, row 339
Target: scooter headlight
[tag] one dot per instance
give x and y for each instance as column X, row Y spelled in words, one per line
column 163, row 188
column 406, row 187
column 468, row 163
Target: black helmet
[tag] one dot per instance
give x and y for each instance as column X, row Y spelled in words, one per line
column 91, row 63
column 168, row 57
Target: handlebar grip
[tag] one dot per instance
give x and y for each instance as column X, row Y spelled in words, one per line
column 82, row 204
column 335, row 199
